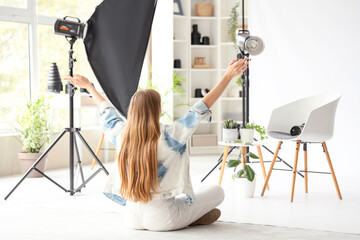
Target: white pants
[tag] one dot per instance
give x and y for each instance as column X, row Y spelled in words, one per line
column 172, row 213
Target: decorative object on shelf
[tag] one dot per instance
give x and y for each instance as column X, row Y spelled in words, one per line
column 178, row 8
column 206, row 40
column 200, row 62
column 232, row 23
column 236, row 91
column 34, row 127
column 230, row 130
column 245, row 177
column 195, row 35
column 200, row 92
column 202, row 140
column 204, row 9
column 177, row 63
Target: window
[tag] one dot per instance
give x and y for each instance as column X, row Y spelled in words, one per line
column 14, row 69
column 13, row 3
column 28, row 46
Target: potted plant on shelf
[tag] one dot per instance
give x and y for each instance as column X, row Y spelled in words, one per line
column 34, row 127
column 233, row 23
column 245, row 177
column 247, row 133
column 230, row 130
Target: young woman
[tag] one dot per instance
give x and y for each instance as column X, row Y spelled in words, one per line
column 152, row 176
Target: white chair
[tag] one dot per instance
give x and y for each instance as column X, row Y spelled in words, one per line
column 318, row 115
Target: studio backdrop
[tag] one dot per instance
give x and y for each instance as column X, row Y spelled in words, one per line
column 116, row 42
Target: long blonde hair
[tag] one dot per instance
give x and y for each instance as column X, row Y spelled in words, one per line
column 138, row 153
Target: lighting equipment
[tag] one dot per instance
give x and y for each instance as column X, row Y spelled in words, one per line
column 69, row 28
column 54, row 85
column 247, row 43
column 54, row 80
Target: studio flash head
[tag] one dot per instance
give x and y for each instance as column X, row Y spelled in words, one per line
column 69, row 28
column 247, row 43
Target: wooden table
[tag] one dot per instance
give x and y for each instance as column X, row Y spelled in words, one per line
column 243, row 147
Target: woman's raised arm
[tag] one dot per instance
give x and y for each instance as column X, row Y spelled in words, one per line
column 235, row 68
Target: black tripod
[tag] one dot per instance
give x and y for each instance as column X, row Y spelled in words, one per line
column 70, row 89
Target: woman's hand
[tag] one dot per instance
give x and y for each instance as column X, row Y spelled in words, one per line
column 79, row 81
column 83, row 82
column 237, row 67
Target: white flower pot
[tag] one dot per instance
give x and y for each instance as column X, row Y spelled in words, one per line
column 230, row 135
column 245, row 188
column 247, row 135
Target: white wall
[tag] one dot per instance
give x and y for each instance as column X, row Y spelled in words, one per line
column 311, row 47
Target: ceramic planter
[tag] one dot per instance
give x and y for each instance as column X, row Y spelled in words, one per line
column 27, row 160
column 247, row 135
column 245, row 188
column 230, row 135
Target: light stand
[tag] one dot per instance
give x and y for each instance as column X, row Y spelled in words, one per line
column 70, row 89
column 248, row 45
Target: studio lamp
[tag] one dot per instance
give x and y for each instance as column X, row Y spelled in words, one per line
column 54, row 80
column 247, row 43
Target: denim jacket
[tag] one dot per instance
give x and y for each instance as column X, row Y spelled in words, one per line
column 173, row 157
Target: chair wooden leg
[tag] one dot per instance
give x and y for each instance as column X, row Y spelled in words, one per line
column 262, row 164
column 243, row 156
column 97, row 150
column 294, row 169
column 305, row 168
column 332, row 170
column 225, row 155
column 271, row 167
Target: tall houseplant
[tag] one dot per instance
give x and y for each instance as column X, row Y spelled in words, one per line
column 33, row 125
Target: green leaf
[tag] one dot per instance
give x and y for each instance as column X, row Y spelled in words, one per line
column 249, row 173
column 233, row 176
column 240, row 173
column 253, row 156
column 233, row 163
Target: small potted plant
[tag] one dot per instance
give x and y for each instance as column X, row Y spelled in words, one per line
column 247, row 133
column 33, row 126
column 230, row 130
column 245, row 177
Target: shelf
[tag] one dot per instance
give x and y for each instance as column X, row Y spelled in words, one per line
column 179, row 41
column 203, row 46
column 227, row 44
column 203, row 69
column 202, row 18
column 231, row 99
column 180, row 70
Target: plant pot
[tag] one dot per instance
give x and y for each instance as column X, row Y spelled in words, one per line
column 235, row 92
column 247, row 135
column 27, row 160
column 245, row 188
column 230, row 135
column 204, row 9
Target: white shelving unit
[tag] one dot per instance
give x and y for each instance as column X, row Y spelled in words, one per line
column 218, row 55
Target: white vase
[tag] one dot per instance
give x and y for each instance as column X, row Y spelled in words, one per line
column 245, row 188
column 230, row 135
column 247, row 135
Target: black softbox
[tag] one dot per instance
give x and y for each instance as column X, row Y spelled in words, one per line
column 116, row 42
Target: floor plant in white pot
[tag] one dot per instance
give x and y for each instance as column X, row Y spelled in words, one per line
column 33, row 125
column 245, row 179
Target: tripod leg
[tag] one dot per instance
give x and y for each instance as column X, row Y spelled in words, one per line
column 91, row 151
column 36, row 163
column 79, row 165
